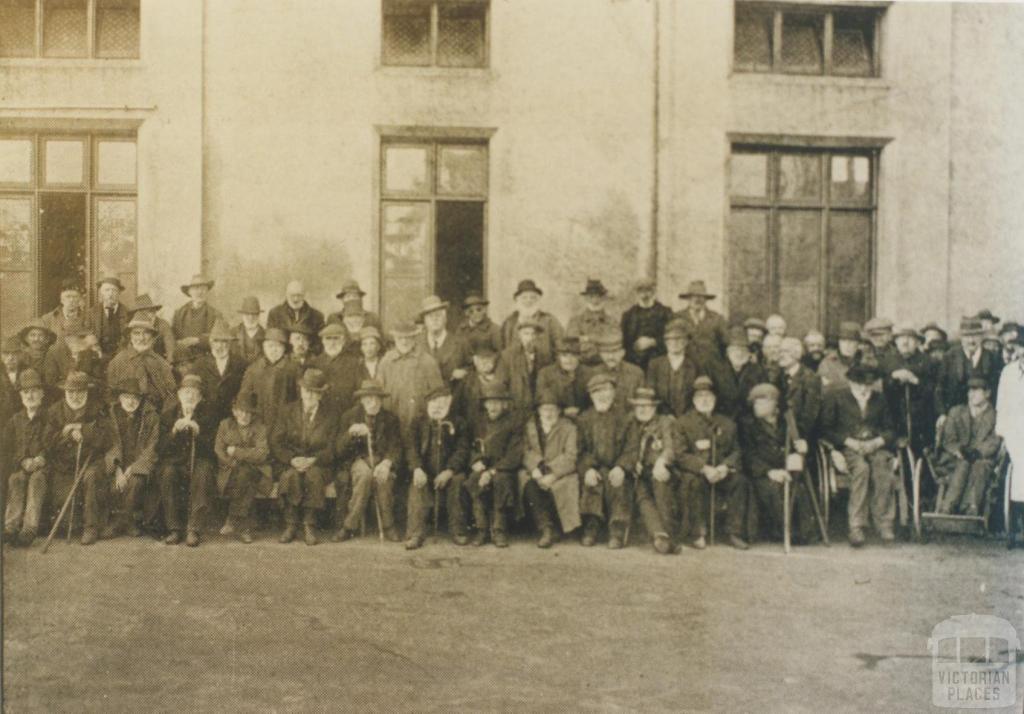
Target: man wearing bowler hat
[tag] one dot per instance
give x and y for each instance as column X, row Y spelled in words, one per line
column 592, row 322
column 448, row 349
column 131, row 459
column 672, row 374
column 145, row 309
column 295, row 313
column 249, row 332
column 494, row 462
column 527, row 298
column 139, row 361
column 352, row 294
column 243, row 455
column 222, row 370
column 484, row 372
column 708, row 328
column 25, row 463
column 272, row 379
column 959, row 364
column 566, row 378
column 196, row 318
column 643, row 325
column 477, row 324
column 109, row 317
column 302, row 444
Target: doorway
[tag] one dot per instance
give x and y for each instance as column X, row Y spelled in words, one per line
column 62, row 245
column 459, row 253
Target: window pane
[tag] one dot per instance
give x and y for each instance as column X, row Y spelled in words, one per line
column 799, row 176
column 461, row 33
column 64, row 162
column 849, row 267
column 748, row 263
column 851, row 178
column 64, row 28
column 17, row 28
column 853, row 42
column 16, row 233
column 16, row 161
column 802, row 43
column 406, row 33
column 16, row 300
column 799, row 241
column 117, row 28
column 462, row 170
column 115, row 236
column 116, row 163
column 405, row 230
column 748, row 175
column 752, row 43
column 407, row 169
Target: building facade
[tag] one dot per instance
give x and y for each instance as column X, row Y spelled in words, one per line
column 826, row 160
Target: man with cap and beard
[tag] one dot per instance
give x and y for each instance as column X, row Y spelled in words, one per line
column 369, row 452
column 643, row 326
column 527, row 299
column 590, row 324
column 604, row 453
column 857, row 421
column 302, row 443
column 478, row 325
column 566, row 378
column 130, row 461
column 653, row 437
column 548, row 483
column 272, row 379
column 187, row 460
column 494, row 462
column 222, row 370
column 138, row 361
column 146, row 310
column 436, row 453
column 249, row 332
column 77, row 421
column 708, row 453
column 243, row 453
column 25, row 463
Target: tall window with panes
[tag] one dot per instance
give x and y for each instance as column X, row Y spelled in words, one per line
column 801, row 234
column 434, row 33
column 69, row 29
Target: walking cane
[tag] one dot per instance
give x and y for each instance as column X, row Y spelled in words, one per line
column 71, row 515
column 67, row 502
column 644, row 441
column 806, row 480
column 786, row 535
column 373, row 465
column 711, row 515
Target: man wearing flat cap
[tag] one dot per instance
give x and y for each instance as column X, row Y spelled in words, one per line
column 295, row 314
column 408, row 374
column 78, row 420
column 566, row 378
column 109, row 317
column 627, row 376
column 708, row 329
column 605, row 454
column 494, row 462
column 477, row 325
column 449, row 350
column 24, row 462
column 437, row 449
column 249, row 332
column 527, row 299
column 857, row 422
column 131, row 459
column 968, row 448
column 672, row 374
column 592, row 322
column 187, row 460
column 643, row 326
column 302, row 444
column 138, row 361
column 195, row 318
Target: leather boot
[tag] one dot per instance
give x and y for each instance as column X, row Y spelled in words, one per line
column 309, row 527
column 590, row 531
column 616, row 535
column 173, row 538
column 288, row 535
column 192, row 539
column 547, row 537
column 343, row 534
column 89, row 536
column 498, row 534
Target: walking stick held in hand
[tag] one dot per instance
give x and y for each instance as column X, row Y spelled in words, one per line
column 791, row 434
column 711, row 514
column 79, row 472
column 373, row 465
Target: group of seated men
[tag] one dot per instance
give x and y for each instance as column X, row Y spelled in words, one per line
column 573, row 429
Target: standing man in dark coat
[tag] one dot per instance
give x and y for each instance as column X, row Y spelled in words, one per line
column 478, row 325
column 272, row 378
column 736, row 376
column 643, row 326
column 908, row 380
column 672, row 374
column 523, row 360
column 340, row 367
column 708, row 328
column 527, row 298
column 187, row 460
column 108, row 317
column 959, row 364
column 449, row 350
column 249, row 332
column 222, row 370
column 295, row 313
column 566, row 378
column 352, row 294
column 486, row 371
column 302, row 444
column 592, row 322
column 194, row 320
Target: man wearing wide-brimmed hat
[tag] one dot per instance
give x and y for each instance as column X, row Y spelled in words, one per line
column 302, row 444
column 272, row 379
column 527, row 298
column 243, row 454
column 351, row 294
column 144, row 308
column 627, row 376
column 672, row 374
column 109, row 317
column 833, row 367
column 477, row 325
column 222, row 370
column 368, row 453
column 592, row 322
column 78, row 421
column 24, row 461
column 297, row 315
column 708, row 329
column 139, row 361
column 566, row 378
column 408, row 374
column 962, row 362
column 449, row 350
column 857, row 421
column 131, row 460
column 70, row 314
column 494, row 462
column 437, row 454
column 187, row 460
column 654, row 472
column 249, row 332
column 37, row 339
column 643, row 325
column 196, row 318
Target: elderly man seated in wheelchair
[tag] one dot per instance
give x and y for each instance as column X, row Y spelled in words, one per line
column 968, row 446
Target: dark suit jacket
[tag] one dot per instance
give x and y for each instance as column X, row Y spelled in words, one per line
column 221, row 390
column 605, row 441
column 22, row 439
column 694, row 429
column 10, row 397
column 803, row 394
column 764, row 446
column 922, row 396
column 961, row 432
column 386, row 435
column 250, row 348
column 644, row 322
column 108, row 333
column 176, row 448
column 343, row 373
column 711, row 333
column 309, row 317
column 954, row 371
column 571, row 389
column 294, row 436
column 674, row 389
column 841, row 418
column 60, row 450
column 498, row 444
column 453, row 353
column 434, row 447
column 138, row 448
column 733, row 387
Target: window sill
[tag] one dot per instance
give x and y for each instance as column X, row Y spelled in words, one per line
column 807, row 80
column 482, row 73
column 65, row 62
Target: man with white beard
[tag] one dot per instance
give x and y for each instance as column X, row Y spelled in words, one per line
column 527, row 298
